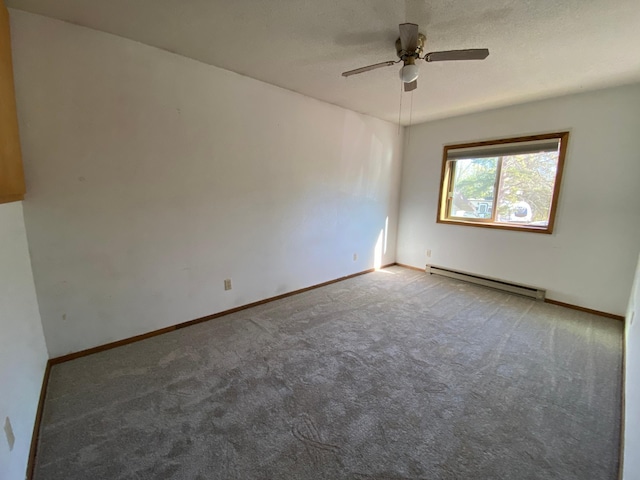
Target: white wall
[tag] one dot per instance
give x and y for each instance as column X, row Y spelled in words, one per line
column 589, row 259
column 631, row 470
column 23, row 355
column 152, row 177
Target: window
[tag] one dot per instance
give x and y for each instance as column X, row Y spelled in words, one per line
column 511, row 183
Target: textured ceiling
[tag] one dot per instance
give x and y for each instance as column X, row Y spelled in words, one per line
column 539, row 48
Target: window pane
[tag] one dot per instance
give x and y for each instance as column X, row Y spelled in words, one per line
column 507, row 183
column 474, row 183
column 526, row 188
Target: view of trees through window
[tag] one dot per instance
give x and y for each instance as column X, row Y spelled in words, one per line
column 509, row 183
column 513, row 189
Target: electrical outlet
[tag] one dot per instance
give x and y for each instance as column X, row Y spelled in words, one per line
column 428, row 253
column 355, row 257
column 227, row 284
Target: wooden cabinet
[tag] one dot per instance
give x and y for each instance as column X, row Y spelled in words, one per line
column 12, row 186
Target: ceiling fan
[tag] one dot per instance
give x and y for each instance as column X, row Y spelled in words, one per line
column 409, row 48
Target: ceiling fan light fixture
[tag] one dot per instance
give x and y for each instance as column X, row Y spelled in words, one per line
column 409, row 73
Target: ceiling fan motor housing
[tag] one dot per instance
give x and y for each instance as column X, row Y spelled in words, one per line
column 406, row 55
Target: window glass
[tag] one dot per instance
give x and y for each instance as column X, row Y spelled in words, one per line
column 474, row 188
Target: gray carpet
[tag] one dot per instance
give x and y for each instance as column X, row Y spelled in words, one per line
column 390, row 375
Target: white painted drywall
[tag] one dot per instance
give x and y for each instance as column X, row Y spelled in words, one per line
column 152, row 178
column 23, row 354
column 631, row 462
column 589, row 259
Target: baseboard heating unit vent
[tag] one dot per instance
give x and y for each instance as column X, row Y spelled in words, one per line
column 519, row 289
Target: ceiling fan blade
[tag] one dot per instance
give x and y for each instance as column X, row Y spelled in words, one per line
column 408, row 87
column 369, row 67
column 471, row 54
column 409, row 36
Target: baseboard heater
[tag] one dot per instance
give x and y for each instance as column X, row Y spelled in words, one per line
column 506, row 286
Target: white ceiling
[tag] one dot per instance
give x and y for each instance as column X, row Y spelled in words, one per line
column 539, row 48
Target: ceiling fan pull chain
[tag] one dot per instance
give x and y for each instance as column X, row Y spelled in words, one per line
column 410, row 121
column 400, row 111
column 411, row 110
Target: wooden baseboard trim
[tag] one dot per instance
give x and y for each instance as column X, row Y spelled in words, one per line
column 584, row 309
column 137, row 338
column 31, row 462
column 411, row 267
column 109, row 346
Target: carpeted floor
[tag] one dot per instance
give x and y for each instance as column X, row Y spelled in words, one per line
column 391, row 375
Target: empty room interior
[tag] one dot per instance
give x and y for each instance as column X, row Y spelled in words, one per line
column 389, row 240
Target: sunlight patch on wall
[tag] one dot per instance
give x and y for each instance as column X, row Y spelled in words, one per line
column 377, row 253
column 386, row 233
